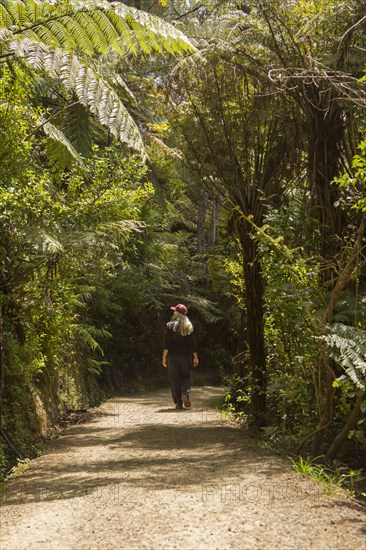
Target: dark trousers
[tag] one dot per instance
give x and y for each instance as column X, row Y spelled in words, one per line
column 180, row 376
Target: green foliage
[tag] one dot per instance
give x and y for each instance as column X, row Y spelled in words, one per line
column 60, row 39
column 60, row 234
column 347, row 346
column 293, row 301
column 91, row 91
column 90, row 27
column 330, row 479
column 4, row 464
column 292, row 223
column 237, row 398
column 234, row 269
column 355, row 184
column 92, row 254
column 21, row 466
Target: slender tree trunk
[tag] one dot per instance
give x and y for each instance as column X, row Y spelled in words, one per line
column 201, row 230
column 1, row 367
column 349, row 425
column 254, row 290
column 346, row 273
column 326, row 416
column 212, row 234
column 342, row 281
column 325, row 137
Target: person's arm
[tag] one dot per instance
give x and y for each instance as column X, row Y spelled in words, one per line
column 167, row 339
column 194, row 348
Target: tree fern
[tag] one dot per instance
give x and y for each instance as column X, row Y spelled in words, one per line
column 94, row 367
column 92, row 92
column 60, row 39
column 84, row 294
column 88, row 335
column 92, row 26
column 81, row 129
column 58, row 136
column 347, row 346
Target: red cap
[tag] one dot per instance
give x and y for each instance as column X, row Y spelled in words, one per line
column 181, row 308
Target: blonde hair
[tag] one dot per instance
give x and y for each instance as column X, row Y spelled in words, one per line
column 180, row 323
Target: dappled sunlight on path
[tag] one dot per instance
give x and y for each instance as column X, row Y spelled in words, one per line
column 140, row 474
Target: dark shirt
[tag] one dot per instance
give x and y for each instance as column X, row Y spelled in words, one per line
column 178, row 345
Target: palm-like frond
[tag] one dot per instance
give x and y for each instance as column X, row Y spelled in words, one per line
column 60, row 39
column 347, row 345
column 76, row 76
column 58, row 136
column 122, row 227
column 92, row 26
column 81, row 128
column 63, row 241
column 89, row 333
column 48, row 243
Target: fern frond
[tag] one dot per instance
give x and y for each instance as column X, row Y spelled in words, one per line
column 57, row 135
column 109, row 36
column 123, row 227
column 80, row 240
column 18, row 13
column 95, row 367
column 43, row 243
column 129, row 42
column 85, row 292
column 75, row 30
column 37, row 10
column 81, row 129
column 52, row 245
column 347, row 346
column 53, row 37
column 96, row 25
column 88, row 333
column 89, row 87
column 89, row 31
column 5, row 35
column 6, row 19
column 119, row 84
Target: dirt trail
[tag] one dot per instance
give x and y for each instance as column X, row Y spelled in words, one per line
column 142, row 475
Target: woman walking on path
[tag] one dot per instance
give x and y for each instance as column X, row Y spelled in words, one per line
column 179, row 347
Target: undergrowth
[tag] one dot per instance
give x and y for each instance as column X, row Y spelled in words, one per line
column 331, row 479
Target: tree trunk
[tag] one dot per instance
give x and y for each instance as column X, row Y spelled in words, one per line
column 346, row 273
column 349, row 425
column 325, row 137
column 254, row 290
column 212, row 234
column 201, row 222
column 342, row 281
column 1, row 367
column 326, row 416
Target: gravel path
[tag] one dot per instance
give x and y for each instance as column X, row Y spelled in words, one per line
column 140, row 475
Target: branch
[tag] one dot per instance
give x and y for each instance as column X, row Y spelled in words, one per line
column 346, row 273
column 54, row 115
column 187, row 12
column 68, row 15
column 350, row 30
